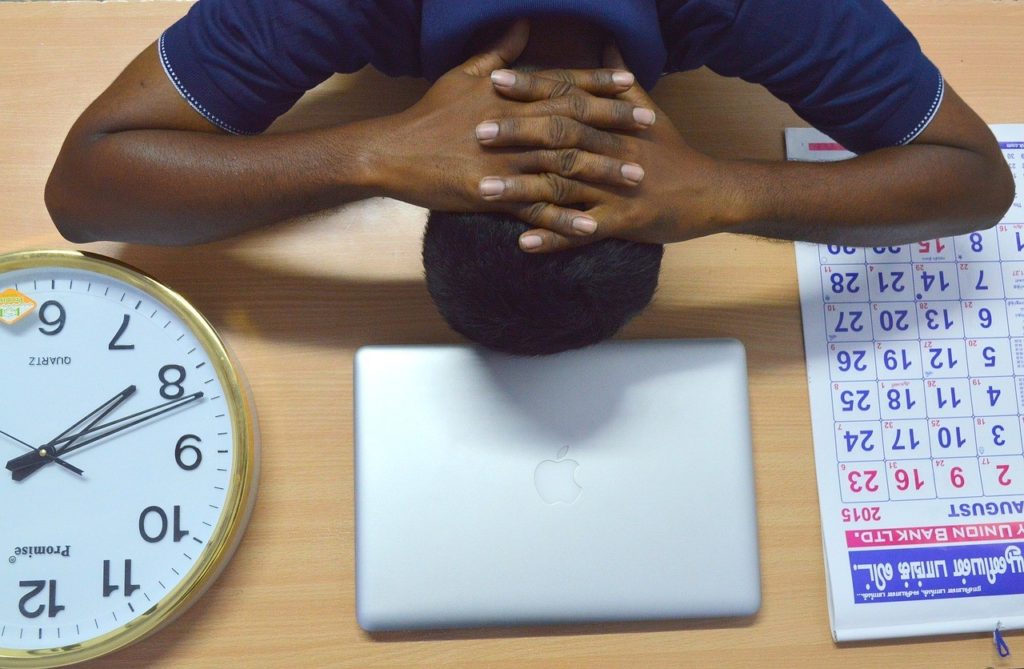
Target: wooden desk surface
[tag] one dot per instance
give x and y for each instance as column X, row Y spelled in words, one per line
column 294, row 303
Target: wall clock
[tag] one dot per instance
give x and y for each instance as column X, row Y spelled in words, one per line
column 128, row 457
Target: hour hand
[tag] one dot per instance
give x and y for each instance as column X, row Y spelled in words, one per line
column 57, row 460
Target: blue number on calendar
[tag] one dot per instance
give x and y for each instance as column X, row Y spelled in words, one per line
column 851, row 360
column 976, row 244
column 841, row 250
column 895, row 283
column 946, row 323
column 895, row 250
column 912, row 440
column 847, row 398
column 897, row 400
column 837, row 282
column 981, row 285
column 929, row 279
column 985, row 316
column 989, row 353
column 938, row 362
column 854, row 325
column 993, row 395
column 862, row 439
column 1020, row 245
column 946, row 438
column 894, row 320
column 997, row 435
column 892, row 363
column 953, row 399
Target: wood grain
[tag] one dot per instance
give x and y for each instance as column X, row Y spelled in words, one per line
column 294, row 302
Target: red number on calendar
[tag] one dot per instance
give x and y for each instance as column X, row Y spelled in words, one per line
column 903, row 480
column 855, row 477
column 1004, row 474
column 956, row 477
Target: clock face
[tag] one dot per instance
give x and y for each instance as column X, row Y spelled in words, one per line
column 129, row 455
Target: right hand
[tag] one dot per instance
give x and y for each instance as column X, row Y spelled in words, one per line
column 430, row 154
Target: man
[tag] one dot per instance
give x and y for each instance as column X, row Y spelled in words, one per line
column 151, row 161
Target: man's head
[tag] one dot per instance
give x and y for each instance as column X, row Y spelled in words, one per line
column 493, row 293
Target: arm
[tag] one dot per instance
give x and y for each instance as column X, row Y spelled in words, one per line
column 951, row 180
column 141, row 165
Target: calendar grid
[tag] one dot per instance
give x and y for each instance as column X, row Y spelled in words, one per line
column 919, row 343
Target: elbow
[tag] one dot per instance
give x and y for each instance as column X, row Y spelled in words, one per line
column 66, row 211
column 62, row 214
column 1004, row 191
column 992, row 198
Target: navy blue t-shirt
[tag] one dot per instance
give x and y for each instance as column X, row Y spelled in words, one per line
column 848, row 67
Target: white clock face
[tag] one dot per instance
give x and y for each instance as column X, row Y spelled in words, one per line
column 118, row 451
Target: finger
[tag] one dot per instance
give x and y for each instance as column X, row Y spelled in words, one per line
column 529, row 188
column 529, row 87
column 563, row 221
column 549, row 132
column 504, row 51
column 595, row 112
column 582, row 166
column 612, row 58
column 541, row 240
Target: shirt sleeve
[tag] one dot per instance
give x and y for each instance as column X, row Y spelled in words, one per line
column 848, row 67
column 243, row 63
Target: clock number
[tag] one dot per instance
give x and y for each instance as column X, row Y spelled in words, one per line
column 178, row 532
column 35, row 587
column 172, row 390
column 113, row 345
column 181, row 447
column 129, row 587
column 58, row 323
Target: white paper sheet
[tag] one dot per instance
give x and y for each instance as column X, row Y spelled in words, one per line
column 915, row 363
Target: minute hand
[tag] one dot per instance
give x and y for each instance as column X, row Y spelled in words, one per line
column 26, row 465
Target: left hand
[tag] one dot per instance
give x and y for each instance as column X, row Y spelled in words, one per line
column 684, row 193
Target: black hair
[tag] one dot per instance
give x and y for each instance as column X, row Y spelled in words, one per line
column 495, row 294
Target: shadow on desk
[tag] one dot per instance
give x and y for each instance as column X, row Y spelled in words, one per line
column 266, row 300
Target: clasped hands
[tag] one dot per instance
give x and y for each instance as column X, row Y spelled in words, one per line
column 579, row 155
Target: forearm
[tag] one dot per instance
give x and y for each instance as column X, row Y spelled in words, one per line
column 184, row 187
column 892, row 196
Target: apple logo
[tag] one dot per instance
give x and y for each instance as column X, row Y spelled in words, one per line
column 555, row 479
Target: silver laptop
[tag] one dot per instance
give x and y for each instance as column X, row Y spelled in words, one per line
column 609, row 484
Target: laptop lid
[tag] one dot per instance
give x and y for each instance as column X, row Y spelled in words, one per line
column 611, row 483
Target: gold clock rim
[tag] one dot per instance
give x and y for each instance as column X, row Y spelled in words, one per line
column 240, row 495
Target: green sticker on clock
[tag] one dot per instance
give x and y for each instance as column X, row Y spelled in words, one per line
column 14, row 306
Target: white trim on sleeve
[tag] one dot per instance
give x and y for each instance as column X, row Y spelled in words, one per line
column 191, row 99
column 932, row 111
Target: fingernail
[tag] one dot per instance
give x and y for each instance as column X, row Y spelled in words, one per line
column 623, row 78
column 631, row 172
column 583, row 224
column 490, row 186
column 489, row 129
column 503, row 78
column 643, row 116
column 531, row 242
